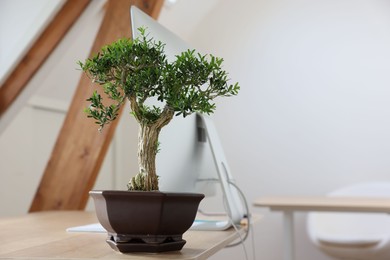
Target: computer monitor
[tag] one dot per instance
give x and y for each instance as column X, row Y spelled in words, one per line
column 191, row 158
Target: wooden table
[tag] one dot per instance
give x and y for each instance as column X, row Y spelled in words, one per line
column 288, row 205
column 42, row 235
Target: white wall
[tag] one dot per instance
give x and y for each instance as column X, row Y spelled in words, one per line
column 313, row 113
column 27, row 142
column 30, row 18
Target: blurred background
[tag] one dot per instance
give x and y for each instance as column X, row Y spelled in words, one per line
column 313, row 113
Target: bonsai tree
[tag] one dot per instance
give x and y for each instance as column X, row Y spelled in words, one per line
column 138, row 70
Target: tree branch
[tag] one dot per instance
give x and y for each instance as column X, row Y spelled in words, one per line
column 165, row 117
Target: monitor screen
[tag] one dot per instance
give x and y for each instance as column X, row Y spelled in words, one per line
column 191, row 158
column 182, row 156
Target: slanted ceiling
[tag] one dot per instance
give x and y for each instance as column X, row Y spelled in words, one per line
column 40, row 51
column 79, row 150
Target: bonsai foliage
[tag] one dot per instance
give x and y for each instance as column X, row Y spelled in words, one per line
column 138, row 70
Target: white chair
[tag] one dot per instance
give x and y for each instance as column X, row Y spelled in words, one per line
column 353, row 235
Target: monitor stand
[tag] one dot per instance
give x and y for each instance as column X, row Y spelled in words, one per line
column 234, row 204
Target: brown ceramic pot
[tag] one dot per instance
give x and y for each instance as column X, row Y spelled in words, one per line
column 138, row 221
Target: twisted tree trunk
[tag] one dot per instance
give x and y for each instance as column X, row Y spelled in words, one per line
column 147, row 179
column 147, row 150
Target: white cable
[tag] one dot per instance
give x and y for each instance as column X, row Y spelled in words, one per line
column 241, row 241
column 253, row 245
column 248, row 216
column 249, row 219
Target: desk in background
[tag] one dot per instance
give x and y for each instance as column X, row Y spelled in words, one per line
column 288, row 205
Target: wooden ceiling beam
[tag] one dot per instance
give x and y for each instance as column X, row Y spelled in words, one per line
column 80, row 149
column 40, row 51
